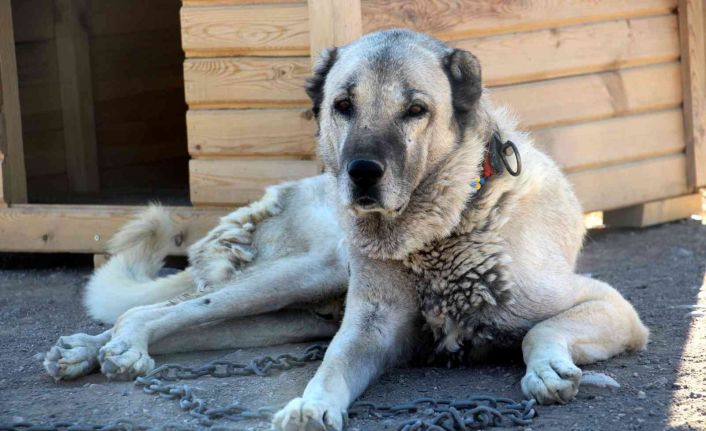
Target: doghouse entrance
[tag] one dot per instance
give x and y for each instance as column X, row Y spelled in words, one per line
column 102, row 101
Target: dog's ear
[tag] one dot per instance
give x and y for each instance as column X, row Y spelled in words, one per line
column 315, row 84
column 463, row 70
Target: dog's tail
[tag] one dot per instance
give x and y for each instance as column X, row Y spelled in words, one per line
column 129, row 278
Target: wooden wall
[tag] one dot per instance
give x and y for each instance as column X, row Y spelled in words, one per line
column 101, row 91
column 597, row 81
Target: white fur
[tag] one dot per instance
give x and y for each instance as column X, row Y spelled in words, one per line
column 128, row 278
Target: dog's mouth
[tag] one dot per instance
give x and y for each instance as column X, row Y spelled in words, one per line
column 366, row 205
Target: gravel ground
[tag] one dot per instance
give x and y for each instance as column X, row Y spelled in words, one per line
column 661, row 270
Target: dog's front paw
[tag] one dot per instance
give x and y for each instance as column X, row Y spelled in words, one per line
column 121, row 361
column 551, row 381
column 303, row 415
column 73, row 356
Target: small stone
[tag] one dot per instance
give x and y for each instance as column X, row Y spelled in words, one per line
column 659, row 383
column 38, row 357
column 635, row 374
column 641, row 395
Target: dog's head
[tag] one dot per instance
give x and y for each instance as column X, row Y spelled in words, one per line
column 391, row 107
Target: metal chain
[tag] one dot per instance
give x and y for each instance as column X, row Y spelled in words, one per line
column 438, row 415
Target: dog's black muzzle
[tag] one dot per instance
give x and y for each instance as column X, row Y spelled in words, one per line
column 365, row 174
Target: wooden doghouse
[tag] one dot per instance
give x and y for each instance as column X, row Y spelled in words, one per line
column 614, row 90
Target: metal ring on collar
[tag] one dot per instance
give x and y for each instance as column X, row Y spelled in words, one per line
column 502, row 152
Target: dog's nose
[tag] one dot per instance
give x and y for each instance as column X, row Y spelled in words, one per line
column 365, row 173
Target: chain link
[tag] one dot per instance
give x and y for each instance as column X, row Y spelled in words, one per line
column 428, row 414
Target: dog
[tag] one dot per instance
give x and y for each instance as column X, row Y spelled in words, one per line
column 435, row 217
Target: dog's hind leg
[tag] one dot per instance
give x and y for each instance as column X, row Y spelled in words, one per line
column 600, row 325
column 271, row 286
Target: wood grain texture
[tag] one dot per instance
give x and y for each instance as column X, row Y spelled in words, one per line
column 591, row 97
column 73, row 55
column 264, row 133
column 246, row 82
column 693, row 46
column 229, row 182
column 238, row 2
column 86, row 228
column 575, row 50
column 278, row 82
column 334, row 23
column 271, row 27
column 612, row 141
column 245, row 30
column 655, row 212
column 457, row 19
column 631, row 183
column 11, row 146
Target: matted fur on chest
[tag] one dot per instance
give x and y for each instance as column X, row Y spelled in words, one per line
column 463, row 288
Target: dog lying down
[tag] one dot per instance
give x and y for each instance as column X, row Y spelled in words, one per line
column 435, row 218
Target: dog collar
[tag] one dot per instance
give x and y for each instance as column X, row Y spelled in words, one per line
column 495, row 160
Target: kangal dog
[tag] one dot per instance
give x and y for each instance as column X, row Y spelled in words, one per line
column 435, row 219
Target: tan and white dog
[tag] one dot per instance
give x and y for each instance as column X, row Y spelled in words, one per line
column 399, row 224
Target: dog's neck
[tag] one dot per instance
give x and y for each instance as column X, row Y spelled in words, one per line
column 435, row 210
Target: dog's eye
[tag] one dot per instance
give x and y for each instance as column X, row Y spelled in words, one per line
column 416, row 111
column 343, row 106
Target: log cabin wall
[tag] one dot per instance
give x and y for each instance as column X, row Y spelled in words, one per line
column 599, row 83
column 101, row 95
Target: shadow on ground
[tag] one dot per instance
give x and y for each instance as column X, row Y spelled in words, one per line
column 661, row 270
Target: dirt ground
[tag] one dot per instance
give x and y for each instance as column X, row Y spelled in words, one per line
column 661, row 270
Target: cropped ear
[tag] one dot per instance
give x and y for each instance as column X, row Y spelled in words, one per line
column 463, row 70
column 315, row 84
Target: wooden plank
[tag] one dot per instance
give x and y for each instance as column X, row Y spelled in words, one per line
column 245, row 30
column 76, row 95
column 612, row 141
column 336, row 23
column 266, row 27
column 264, row 133
column 229, row 182
column 575, row 50
column 543, row 104
column 237, row 2
column 628, row 184
column 14, row 179
column 693, row 45
column 86, row 228
column 591, row 97
column 251, row 82
column 33, row 20
column 246, row 82
column 655, row 212
column 457, row 19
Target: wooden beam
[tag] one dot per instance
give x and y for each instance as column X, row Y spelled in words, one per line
column 86, row 228
column 693, row 60
column 655, row 212
column 76, row 95
column 260, row 133
column 454, row 20
column 628, row 184
column 333, row 23
column 14, row 179
column 245, row 30
column 229, row 181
